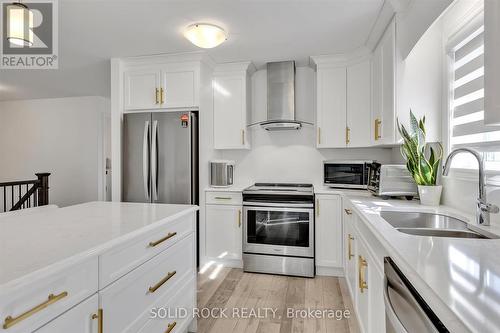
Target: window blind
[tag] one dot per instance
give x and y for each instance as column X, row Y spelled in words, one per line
column 467, row 127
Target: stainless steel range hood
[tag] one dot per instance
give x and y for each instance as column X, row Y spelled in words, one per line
column 281, row 97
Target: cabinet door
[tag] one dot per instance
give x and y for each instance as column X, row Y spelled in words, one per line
column 178, row 89
column 328, row 232
column 376, row 291
column 140, row 89
column 230, row 112
column 358, row 105
column 363, row 266
column 350, row 239
column 77, row 320
column 331, row 108
column 384, row 105
column 223, row 232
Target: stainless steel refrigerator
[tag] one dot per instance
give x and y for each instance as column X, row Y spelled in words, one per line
column 160, row 157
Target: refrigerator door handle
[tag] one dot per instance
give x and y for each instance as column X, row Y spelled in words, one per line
column 154, row 160
column 145, row 160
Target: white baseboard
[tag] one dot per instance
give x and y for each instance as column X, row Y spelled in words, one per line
column 329, row 271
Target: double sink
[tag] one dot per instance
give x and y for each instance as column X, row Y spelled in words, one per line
column 429, row 224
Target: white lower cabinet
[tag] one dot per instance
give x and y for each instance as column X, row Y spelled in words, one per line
column 364, row 272
column 349, row 252
column 80, row 319
column 328, row 234
column 223, row 232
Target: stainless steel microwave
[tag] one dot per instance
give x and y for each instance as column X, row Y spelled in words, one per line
column 346, row 174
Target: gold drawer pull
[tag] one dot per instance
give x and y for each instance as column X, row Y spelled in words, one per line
column 170, row 327
column 10, row 321
column 223, row 198
column 348, row 211
column 239, row 218
column 362, row 264
column 162, row 282
column 378, row 122
column 170, row 235
column 98, row 316
column 347, row 135
column 157, row 92
column 349, row 247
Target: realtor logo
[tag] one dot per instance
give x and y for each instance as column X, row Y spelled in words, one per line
column 29, row 34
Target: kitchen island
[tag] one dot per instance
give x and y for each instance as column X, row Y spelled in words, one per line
column 97, row 267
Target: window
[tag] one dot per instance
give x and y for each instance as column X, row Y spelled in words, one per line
column 467, row 128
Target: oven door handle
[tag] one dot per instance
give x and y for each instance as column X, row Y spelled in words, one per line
column 278, row 205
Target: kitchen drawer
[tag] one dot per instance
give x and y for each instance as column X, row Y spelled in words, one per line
column 126, row 303
column 122, row 259
column 170, row 314
column 223, row 198
column 77, row 320
column 68, row 287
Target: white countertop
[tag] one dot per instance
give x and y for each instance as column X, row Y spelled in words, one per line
column 458, row 278
column 30, row 242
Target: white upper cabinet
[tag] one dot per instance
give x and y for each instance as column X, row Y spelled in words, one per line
column 331, row 107
column 358, row 104
column 159, row 88
column 232, row 96
column 343, row 101
column 177, row 89
column 383, row 116
column 142, row 89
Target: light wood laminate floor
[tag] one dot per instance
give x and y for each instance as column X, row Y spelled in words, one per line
column 237, row 291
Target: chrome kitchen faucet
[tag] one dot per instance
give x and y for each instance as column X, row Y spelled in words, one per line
column 483, row 209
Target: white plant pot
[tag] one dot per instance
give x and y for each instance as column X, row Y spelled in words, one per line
column 430, row 195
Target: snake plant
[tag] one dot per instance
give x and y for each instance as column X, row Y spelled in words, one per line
column 422, row 161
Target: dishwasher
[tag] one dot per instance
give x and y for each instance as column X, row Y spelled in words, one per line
column 405, row 309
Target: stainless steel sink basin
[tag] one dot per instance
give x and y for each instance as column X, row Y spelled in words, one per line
column 429, row 224
column 441, row 233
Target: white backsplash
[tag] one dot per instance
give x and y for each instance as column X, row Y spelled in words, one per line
column 291, row 156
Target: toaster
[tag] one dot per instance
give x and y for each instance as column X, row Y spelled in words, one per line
column 391, row 180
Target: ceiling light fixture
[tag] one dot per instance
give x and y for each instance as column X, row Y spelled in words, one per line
column 205, row 35
column 19, row 23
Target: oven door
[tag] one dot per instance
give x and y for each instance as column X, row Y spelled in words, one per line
column 278, row 231
column 347, row 175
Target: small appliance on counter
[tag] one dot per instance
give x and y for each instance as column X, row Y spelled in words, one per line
column 221, row 173
column 346, row 174
column 391, row 180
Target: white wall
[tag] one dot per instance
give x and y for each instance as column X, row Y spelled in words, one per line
column 63, row 136
column 289, row 156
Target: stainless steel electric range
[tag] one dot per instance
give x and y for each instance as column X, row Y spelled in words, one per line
column 278, row 229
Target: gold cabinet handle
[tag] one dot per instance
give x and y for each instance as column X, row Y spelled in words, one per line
column 319, row 135
column 11, row 321
column 162, row 282
column 170, row 327
column 157, row 92
column 348, row 211
column 242, row 136
column 161, row 96
column 239, row 218
column 362, row 264
column 378, row 122
column 317, row 207
column 99, row 318
column 349, row 247
column 347, row 135
column 159, row 241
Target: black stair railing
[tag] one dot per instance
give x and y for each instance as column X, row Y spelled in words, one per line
column 25, row 193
